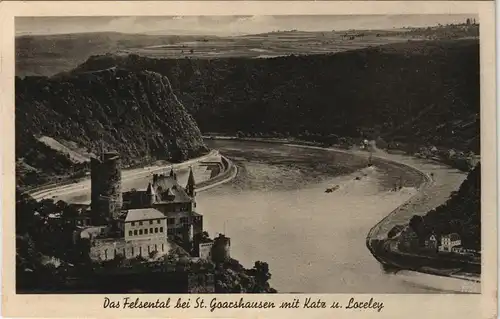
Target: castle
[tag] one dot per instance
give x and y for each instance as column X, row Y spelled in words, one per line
column 148, row 222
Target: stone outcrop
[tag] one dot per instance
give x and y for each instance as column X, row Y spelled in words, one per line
column 135, row 113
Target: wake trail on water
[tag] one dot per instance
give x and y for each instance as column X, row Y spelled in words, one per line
column 366, row 182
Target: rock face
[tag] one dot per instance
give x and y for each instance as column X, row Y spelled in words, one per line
column 133, row 112
column 422, row 92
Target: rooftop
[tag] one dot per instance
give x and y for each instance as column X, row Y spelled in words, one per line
column 143, row 214
column 453, row 236
column 168, row 190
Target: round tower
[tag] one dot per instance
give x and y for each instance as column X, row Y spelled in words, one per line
column 221, row 249
column 106, row 192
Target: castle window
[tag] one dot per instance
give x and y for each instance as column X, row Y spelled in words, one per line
column 140, row 223
column 158, row 221
column 140, row 231
column 151, row 222
column 162, row 248
column 161, row 229
column 146, row 231
column 133, row 223
column 151, row 230
column 130, row 233
column 170, row 221
column 184, row 220
column 135, row 232
column 156, row 229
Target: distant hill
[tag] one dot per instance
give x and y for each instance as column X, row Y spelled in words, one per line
column 133, row 112
column 46, row 55
column 417, row 92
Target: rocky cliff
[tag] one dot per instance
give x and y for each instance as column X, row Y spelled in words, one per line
column 421, row 92
column 62, row 120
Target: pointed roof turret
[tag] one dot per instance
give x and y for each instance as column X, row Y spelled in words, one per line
column 190, row 183
column 191, row 177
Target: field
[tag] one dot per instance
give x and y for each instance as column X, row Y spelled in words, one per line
column 266, row 46
column 48, row 55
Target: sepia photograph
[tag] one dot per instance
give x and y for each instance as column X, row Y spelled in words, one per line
column 248, row 154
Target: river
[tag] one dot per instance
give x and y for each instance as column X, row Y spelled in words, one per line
column 276, row 210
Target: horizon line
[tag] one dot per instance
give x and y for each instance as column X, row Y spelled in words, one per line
column 187, row 33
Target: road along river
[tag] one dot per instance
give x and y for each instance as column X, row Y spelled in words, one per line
column 276, row 210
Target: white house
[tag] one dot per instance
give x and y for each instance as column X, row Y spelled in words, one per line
column 144, row 232
column 449, row 241
column 145, row 223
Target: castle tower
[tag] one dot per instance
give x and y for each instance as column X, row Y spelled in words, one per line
column 106, row 192
column 190, row 183
column 221, row 249
column 151, row 195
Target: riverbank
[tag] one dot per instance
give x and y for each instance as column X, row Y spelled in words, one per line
column 228, row 171
column 439, row 181
column 436, row 181
column 138, row 173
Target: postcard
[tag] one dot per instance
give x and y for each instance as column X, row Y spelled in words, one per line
column 249, row 159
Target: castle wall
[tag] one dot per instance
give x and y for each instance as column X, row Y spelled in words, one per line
column 106, row 249
column 205, row 250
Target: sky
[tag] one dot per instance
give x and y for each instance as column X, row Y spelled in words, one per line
column 225, row 25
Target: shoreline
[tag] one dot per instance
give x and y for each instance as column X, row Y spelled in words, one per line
column 49, row 190
column 410, row 205
column 230, row 171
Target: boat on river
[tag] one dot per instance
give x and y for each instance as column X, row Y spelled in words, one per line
column 332, row 189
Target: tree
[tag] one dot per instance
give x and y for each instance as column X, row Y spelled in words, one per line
column 153, row 254
column 261, row 270
column 416, row 224
column 69, row 212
